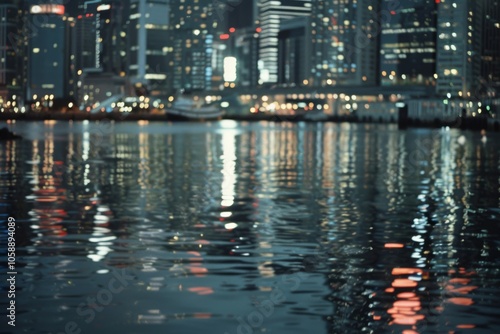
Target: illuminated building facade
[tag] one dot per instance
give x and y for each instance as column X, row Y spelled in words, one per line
column 48, row 53
column 490, row 68
column 194, row 28
column 100, row 50
column 344, row 42
column 101, row 36
column 408, row 42
column 235, row 58
column 236, row 45
column 271, row 13
column 85, row 38
column 148, row 38
column 9, row 51
column 459, row 47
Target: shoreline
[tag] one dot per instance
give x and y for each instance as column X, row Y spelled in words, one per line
column 467, row 123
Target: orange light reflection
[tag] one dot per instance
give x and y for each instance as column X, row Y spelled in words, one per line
column 464, row 301
column 393, row 245
column 201, row 290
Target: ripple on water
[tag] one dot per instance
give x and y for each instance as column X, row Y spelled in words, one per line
column 280, row 228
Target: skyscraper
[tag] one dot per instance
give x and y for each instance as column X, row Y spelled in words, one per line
column 100, row 37
column 100, row 50
column 271, row 13
column 247, row 53
column 459, row 47
column 148, row 42
column 408, row 42
column 194, row 24
column 490, row 57
column 48, row 53
column 238, row 23
column 9, row 47
column 242, row 46
column 344, row 42
column 294, row 55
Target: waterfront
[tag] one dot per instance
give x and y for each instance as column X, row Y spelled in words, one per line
column 253, row 227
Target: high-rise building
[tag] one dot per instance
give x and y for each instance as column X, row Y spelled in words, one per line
column 344, row 42
column 246, row 51
column 236, row 51
column 148, row 38
column 100, row 50
column 490, row 57
column 9, row 51
column 235, row 57
column 271, row 13
column 48, row 54
column 85, row 38
column 408, row 42
column 294, row 51
column 194, row 26
column 459, row 47
column 101, row 36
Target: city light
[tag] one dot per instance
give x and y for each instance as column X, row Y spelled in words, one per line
column 312, row 53
column 47, row 9
column 230, row 69
column 103, row 7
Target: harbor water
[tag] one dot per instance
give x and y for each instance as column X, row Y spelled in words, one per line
column 237, row 228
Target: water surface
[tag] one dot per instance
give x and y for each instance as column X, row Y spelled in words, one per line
column 252, row 228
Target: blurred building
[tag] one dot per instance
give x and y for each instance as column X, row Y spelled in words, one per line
column 235, row 58
column 345, row 42
column 294, row 51
column 271, row 13
column 148, row 38
column 246, row 51
column 221, row 48
column 490, row 57
column 408, row 42
column 10, row 52
column 48, row 53
column 101, row 36
column 100, row 50
column 236, row 48
column 194, row 28
column 460, row 24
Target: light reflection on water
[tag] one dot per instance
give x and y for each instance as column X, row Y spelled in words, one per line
column 249, row 228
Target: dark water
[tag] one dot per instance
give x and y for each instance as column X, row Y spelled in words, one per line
column 252, row 228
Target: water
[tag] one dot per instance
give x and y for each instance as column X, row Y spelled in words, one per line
column 252, row 228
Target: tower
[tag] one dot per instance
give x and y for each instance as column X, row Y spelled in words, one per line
column 345, row 42
column 10, row 52
column 148, row 44
column 194, row 25
column 271, row 13
column 48, row 53
column 408, row 42
column 459, row 47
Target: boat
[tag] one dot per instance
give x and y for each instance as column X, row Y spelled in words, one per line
column 187, row 109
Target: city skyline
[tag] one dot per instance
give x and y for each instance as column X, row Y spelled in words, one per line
column 89, row 51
